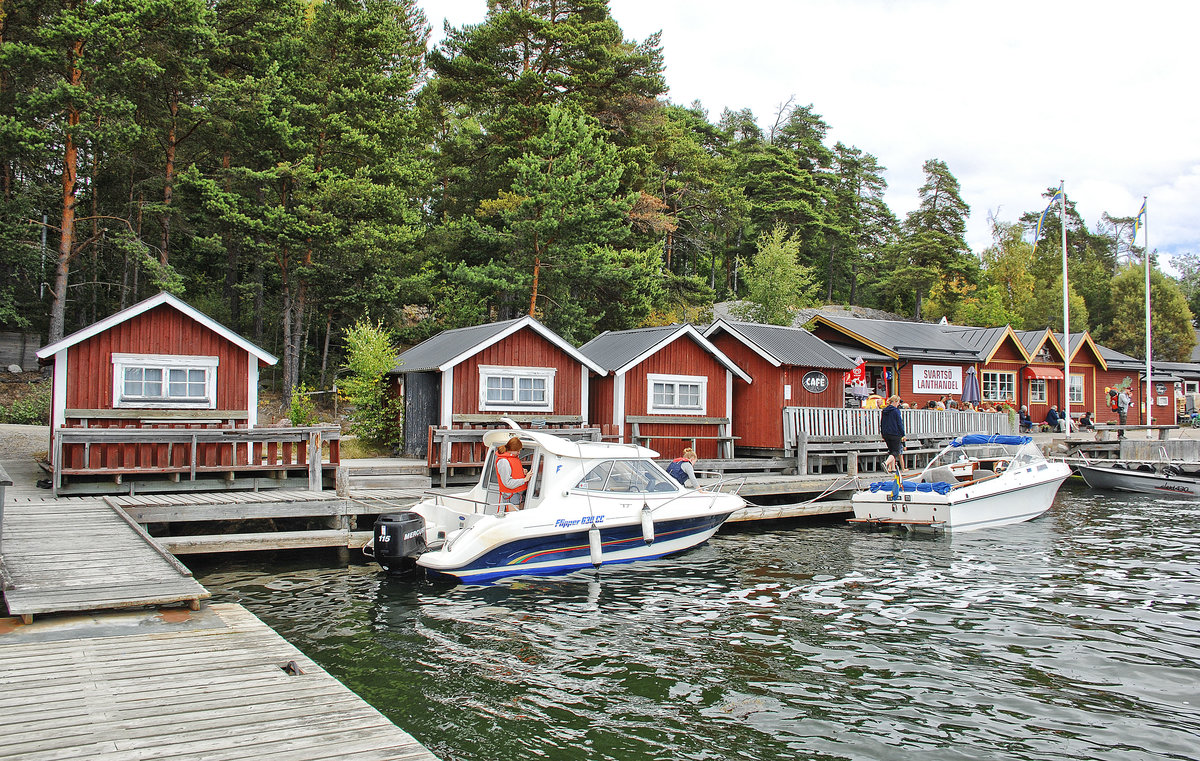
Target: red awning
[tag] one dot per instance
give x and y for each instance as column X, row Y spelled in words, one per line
column 1045, row 373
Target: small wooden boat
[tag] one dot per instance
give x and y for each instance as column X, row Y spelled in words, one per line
column 1143, row 477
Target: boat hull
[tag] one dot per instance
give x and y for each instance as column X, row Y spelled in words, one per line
column 1000, row 502
column 563, row 551
column 1142, row 482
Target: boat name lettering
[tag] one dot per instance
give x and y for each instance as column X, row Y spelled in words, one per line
column 585, row 520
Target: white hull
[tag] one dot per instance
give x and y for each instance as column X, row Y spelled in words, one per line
column 964, row 494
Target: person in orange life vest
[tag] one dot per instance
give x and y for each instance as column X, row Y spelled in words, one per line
column 682, row 471
column 510, row 475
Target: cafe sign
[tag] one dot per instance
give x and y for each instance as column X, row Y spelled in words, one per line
column 937, row 379
column 814, row 382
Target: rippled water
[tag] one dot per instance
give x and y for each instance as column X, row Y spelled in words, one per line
column 1074, row 636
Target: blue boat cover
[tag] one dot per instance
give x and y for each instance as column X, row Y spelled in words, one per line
column 941, row 487
column 972, row 439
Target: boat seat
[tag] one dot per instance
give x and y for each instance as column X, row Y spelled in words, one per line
column 940, row 474
column 982, row 473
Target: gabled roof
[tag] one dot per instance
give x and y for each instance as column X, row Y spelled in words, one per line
column 907, row 340
column 618, row 351
column 986, row 341
column 1033, row 340
column 145, row 306
column 783, row 345
column 1078, row 341
column 450, row 347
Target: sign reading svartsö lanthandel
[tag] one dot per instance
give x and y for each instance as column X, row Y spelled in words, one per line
column 937, row 379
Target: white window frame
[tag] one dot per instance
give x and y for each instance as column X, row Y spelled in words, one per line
column 676, row 381
column 1037, row 391
column 1072, row 388
column 166, row 363
column 1191, row 387
column 1005, row 384
column 545, row 374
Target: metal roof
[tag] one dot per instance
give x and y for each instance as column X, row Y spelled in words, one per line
column 450, row 347
column 788, row 346
column 617, row 351
column 911, row 340
column 1118, row 361
column 982, row 340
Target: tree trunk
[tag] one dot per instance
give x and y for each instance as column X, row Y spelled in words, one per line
column 169, row 181
column 66, row 244
column 325, row 349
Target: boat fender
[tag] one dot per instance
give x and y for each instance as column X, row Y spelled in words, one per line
column 596, row 550
column 647, row 525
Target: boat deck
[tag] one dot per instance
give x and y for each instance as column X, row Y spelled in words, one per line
column 215, row 685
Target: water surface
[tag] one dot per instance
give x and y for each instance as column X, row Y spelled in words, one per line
column 1075, row 636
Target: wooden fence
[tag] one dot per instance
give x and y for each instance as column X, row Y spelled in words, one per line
column 175, row 451
column 837, row 423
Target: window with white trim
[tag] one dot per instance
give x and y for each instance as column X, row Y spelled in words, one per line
column 516, row 388
column 998, row 387
column 677, row 394
column 1037, row 391
column 164, row 381
column 1075, row 389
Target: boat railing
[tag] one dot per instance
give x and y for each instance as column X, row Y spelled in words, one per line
column 722, row 482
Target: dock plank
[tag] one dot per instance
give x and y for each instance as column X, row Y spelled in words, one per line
column 211, row 689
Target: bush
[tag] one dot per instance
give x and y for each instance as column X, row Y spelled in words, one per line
column 303, row 411
column 33, row 409
column 370, row 355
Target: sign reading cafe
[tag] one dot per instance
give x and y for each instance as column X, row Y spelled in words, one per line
column 937, row 379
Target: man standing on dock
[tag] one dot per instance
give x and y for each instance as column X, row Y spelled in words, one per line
column 891, row 427
column 1123, row 402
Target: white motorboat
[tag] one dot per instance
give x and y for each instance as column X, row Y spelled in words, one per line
column 1182, row 479
column 588, row 504
column 979, row 481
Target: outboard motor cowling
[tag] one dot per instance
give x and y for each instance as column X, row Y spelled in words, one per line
column 399, row 539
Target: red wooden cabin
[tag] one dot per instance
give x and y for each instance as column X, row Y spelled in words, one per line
column 162, row 372
column 666, row 388
column 474, row 376
column 791, row 368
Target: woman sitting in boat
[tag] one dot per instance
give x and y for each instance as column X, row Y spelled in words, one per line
column 682, row 470
column 510, row 476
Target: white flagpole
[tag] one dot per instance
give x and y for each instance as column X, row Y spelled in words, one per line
column 1066, row 315
column 1149, row 388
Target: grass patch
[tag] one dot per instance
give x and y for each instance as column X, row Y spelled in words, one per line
column 354, row 448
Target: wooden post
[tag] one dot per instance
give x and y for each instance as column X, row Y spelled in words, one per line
column 852, row 462
column 802, row 453
column 445, row 455
column 314, row 461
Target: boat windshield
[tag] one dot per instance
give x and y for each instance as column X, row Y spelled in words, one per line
column 636, row 476
column 989, row 455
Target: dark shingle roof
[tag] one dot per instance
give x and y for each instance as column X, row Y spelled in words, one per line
column 790, row 346
column 613, row 350
column 982, row 340
column 911, row 340
column 436, row 351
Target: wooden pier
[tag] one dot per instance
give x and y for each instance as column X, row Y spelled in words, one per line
column 213, row 685
column 86, row 555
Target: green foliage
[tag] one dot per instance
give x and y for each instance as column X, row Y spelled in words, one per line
column 1045, row 310
column 303, row 410
column 1172, row 337
column 777, row 285
column 31, row 409
column 376, row 414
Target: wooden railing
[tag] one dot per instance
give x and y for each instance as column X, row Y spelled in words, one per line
column 856, row 423
column 5, row 482
column 443, row 454
column 176, row 451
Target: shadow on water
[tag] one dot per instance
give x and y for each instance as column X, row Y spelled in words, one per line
column 1075, row 635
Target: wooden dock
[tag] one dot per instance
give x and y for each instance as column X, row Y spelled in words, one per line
column 82, row 554
column 215, row 685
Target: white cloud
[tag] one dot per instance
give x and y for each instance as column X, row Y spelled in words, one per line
column 1013, row 96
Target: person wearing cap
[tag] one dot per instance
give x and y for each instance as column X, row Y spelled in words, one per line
column 510, row 475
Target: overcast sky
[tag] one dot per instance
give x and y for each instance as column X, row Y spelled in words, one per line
column 1014, row 96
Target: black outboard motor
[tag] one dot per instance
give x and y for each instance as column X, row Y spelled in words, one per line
column 399, row 539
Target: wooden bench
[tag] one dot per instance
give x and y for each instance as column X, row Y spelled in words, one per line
column 723, row 437
column 1114, row 432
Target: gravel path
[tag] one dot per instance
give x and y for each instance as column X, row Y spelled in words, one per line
column 21, row 441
